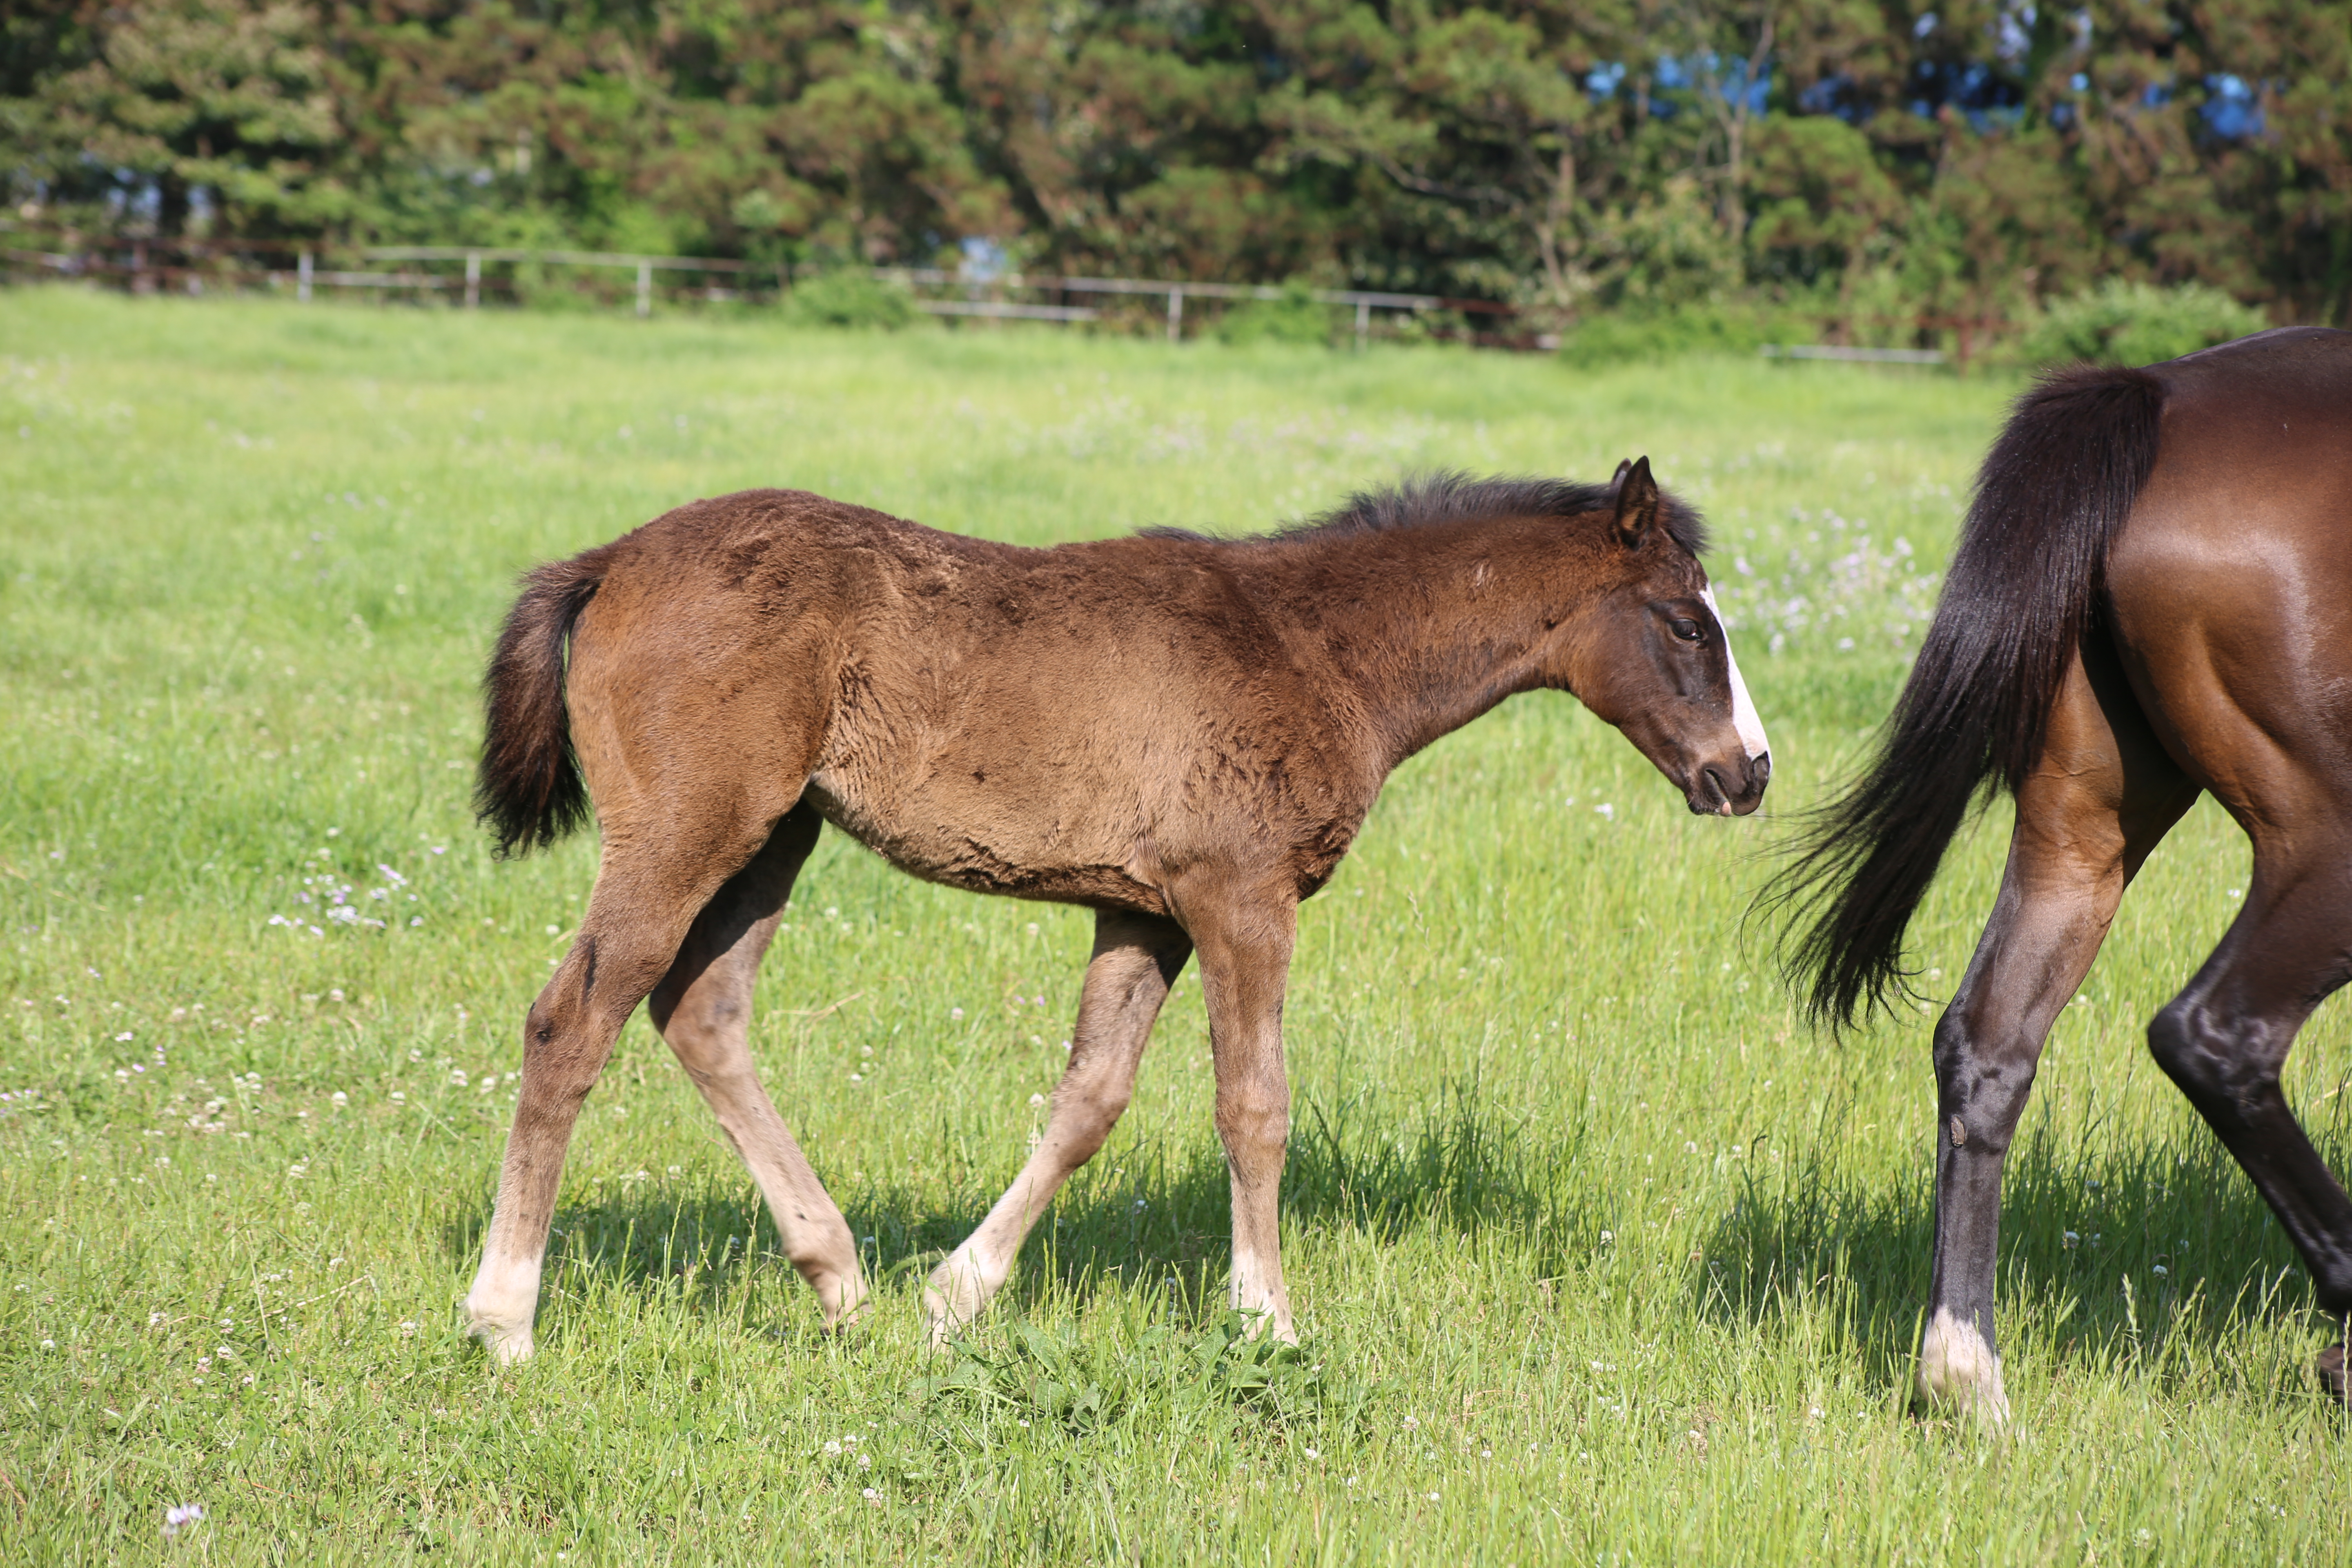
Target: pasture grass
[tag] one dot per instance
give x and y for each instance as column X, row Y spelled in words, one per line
column 1598, row 1256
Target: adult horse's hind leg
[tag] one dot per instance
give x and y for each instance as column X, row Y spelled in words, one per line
column 653, row 879
column 703, row 1008
column 2102, row 796
column 2225, row 1038
column 1136, row 959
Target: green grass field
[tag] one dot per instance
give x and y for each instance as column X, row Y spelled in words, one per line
column 1599, row 1257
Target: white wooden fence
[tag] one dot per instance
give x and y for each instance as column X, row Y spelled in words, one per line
column 139, row 266
column 974, row 291
column 937, row 290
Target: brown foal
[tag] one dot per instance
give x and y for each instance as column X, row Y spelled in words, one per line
column 2151, row 599
column 1179, row 732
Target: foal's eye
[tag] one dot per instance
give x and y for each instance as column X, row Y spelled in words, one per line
column 1685, row 630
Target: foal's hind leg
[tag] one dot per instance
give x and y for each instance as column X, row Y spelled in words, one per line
column 1136, row 959
column 2102, row 796
column 2225, row 1038
column 703, row 1008
column 648, row 889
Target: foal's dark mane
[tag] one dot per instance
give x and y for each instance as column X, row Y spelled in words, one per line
column 1427, row 500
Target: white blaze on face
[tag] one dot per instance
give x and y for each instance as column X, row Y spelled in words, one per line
column 1743, row 708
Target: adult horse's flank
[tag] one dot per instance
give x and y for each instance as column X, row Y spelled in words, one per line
column 2152, row 596
column 1181, row 733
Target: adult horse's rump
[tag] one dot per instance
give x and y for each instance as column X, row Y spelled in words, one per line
column 1181, row 733
column 2152, row 596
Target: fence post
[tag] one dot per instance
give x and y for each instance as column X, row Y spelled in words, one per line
column 1175, row 315
column 302, row 278
column 473, row 278
column 1363, row 323
column 644, row 288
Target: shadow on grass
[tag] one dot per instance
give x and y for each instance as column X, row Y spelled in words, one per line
column 1372, row 1168
column 1156, row 1215
column 2148, row 1249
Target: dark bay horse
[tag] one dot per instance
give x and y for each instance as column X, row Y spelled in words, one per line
column 1179, row 732
column 2152, row 597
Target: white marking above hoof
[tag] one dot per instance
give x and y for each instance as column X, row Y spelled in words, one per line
column 957, row 1292
column 1959, row 1371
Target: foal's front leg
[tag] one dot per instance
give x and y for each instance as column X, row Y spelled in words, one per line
column 1136, row 959
column 1246, row 946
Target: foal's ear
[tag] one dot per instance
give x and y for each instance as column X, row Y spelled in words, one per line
column 1617, row 479
column 1637, row 503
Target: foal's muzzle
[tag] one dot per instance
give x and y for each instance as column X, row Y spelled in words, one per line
column 1730, row 788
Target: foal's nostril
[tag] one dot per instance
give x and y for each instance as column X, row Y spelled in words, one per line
column 1760, row 769
column 1715, row 794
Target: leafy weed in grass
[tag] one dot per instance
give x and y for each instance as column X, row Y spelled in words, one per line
column 1057, row 1374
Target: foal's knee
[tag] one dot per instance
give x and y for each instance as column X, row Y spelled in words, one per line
column 1253, row 1121
column 1087, row 1111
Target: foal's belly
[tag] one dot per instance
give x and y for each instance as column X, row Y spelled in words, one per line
column 1056, row 851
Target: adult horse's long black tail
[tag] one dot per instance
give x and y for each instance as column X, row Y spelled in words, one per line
column 2022, row 591
column 528, row 792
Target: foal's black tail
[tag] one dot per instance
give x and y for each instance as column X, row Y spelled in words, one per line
column 528, row 792
column 2021, row 594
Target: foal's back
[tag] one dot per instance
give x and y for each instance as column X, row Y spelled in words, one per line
column 1068, row 723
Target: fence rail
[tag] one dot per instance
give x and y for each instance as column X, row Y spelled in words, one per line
column 1864, row 356
column 137, row 266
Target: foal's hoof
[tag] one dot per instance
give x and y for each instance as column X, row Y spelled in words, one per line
column 506, row 1346
column 1269, row 1323
column 953, row 1298
column 843, row 1301
column 942, row 1326
column 2331, row 1374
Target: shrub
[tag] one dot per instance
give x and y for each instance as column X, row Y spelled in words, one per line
column 1294, row 317
column 1665, row 254
column 850, row 298
column 1626, row 337
column 2137, row 323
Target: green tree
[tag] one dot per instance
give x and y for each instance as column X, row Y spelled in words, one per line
column 1877, row 163
column 178, row 118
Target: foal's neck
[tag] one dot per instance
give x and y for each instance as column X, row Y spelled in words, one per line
column 1442, row 623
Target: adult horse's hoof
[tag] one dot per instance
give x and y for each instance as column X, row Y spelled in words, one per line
column 1958, row 1373
column 2331, row 1374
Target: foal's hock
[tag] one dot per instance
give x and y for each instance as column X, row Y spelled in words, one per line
column 1181, row 733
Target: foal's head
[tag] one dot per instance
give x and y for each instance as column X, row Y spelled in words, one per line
column 1650, row 657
